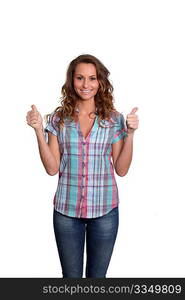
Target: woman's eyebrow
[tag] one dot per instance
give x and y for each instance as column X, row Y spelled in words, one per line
column 82, row 75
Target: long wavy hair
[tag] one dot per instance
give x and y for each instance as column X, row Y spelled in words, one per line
column 103, row 98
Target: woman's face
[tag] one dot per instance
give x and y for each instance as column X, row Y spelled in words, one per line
column 85, row 81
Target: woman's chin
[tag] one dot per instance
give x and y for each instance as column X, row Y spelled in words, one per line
column 86, row 97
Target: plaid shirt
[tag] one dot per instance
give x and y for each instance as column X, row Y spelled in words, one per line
column 86, row 185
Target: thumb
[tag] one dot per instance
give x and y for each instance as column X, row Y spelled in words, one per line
column 34, row 108
column 134, row 110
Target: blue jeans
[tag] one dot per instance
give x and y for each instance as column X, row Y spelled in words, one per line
column 100, row 234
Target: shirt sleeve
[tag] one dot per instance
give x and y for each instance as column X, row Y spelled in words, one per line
column 121, row 128
column 51, row 125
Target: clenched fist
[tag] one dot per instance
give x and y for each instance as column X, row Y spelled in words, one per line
column 34, row 118
column 132, row 121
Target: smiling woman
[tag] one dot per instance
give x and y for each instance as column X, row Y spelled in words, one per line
column 85, row 81
column 82, row 136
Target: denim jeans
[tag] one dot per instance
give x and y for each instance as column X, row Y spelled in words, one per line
column 100, row 234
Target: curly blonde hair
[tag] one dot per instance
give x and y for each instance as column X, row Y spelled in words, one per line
column 103, row 98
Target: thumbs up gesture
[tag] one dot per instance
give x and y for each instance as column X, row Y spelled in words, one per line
column 132, row 121
column 34, row 118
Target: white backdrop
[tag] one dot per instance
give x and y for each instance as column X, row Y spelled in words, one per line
column 142, row 43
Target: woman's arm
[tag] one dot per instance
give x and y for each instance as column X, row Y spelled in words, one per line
column 49, row 153
column 124, row 151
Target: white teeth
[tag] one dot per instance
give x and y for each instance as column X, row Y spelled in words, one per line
column 86, row 92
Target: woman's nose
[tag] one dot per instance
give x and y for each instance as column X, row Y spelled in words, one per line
column 85, row 83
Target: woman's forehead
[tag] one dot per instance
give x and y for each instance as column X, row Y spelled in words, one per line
column 85, row 68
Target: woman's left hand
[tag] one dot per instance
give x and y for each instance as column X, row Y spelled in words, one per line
column 132, row 121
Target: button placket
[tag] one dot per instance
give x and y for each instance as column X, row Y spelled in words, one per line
column 83, row 168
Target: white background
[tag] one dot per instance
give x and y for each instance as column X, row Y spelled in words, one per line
column 142, row 43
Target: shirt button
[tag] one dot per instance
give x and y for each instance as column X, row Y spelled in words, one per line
column 83, row 175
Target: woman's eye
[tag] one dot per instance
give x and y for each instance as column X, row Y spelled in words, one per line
column 92, row 78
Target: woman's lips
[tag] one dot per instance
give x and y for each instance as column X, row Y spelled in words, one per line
column 85, row 91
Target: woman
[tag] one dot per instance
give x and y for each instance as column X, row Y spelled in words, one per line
column 78, row 142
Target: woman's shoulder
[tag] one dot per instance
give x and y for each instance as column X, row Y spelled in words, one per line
column 116, row 116
column 52, row 120
column 112, row 120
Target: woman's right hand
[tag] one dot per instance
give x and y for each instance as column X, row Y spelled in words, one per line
column 34, row 118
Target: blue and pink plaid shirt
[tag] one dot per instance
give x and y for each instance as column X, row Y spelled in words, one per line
column 86, row 185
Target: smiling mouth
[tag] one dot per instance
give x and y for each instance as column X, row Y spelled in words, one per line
column 85, row 91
